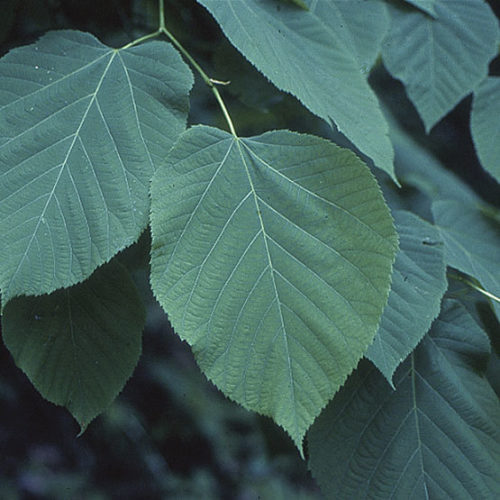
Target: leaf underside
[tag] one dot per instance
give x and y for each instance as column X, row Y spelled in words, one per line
column 418, row 284
column 441, row 60
column 471, row 241
column 322, row 56
column 436, row 436
column 82, row 127
column 272, row 257
column 78, row 346
column 485, row 125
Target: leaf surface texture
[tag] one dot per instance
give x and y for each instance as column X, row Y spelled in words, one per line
column 322, row 56
column 82, row 127
column 78, row 346
column 436, row 436
column 485, row 125
column 272, row 256
column 418, row 284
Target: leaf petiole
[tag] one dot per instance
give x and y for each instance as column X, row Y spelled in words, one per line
column 138, row 41
column 209, row 81
column 474, row 286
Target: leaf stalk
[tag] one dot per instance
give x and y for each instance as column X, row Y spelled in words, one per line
column 474, row 286
column 133, row 43
column 209, row 81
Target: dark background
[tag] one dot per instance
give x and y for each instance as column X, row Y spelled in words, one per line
column 171, row 434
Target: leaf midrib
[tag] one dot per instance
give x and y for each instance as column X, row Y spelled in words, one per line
column 273, row 280
column 311, row 193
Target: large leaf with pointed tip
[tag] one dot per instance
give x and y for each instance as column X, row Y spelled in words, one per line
column 272, row 256
column 485, row 125
column 472, row 243
column 82, row 126
column 418, row 284
column 321, row 56
column 441, row 60
column 436, row 436
column 78, row 346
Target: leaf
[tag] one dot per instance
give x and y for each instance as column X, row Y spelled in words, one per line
column 422, row 175
column 418, row 284
column 472, row 243
column 436, row 436
column 321, row 56
column 428, row 6
column 485, row 125
column 441, row 60
column 272, row 257
column 419, row 167
column 81, row 129
column 80, row 345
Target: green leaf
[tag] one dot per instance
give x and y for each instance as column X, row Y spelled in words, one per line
column 418, row 284
column 436, row 436
column 423, row 177
column 321, row 56
column 81, row 129
column 361, row 24
column 441, row 60
column 420, row 168
column 485, row 125
column 472, row 242
column 428, row 6
column 78, row 346
column 272, row 257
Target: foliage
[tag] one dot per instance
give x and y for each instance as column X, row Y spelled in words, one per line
column 281, row 258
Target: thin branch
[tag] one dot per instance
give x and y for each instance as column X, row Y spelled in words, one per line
column 161, row 15
column 209, row 81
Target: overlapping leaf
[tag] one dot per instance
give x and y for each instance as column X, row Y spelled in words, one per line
column 423, row 176
column 78, row 346
column 418, row 284
column 441, row 60
column 362, row 25
column 485, row 125
column 420, row 168
column 436, row 436
column 322, row 56
column 472, row 243
column 81, row 129
column 272, row 257
column 428, row 6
